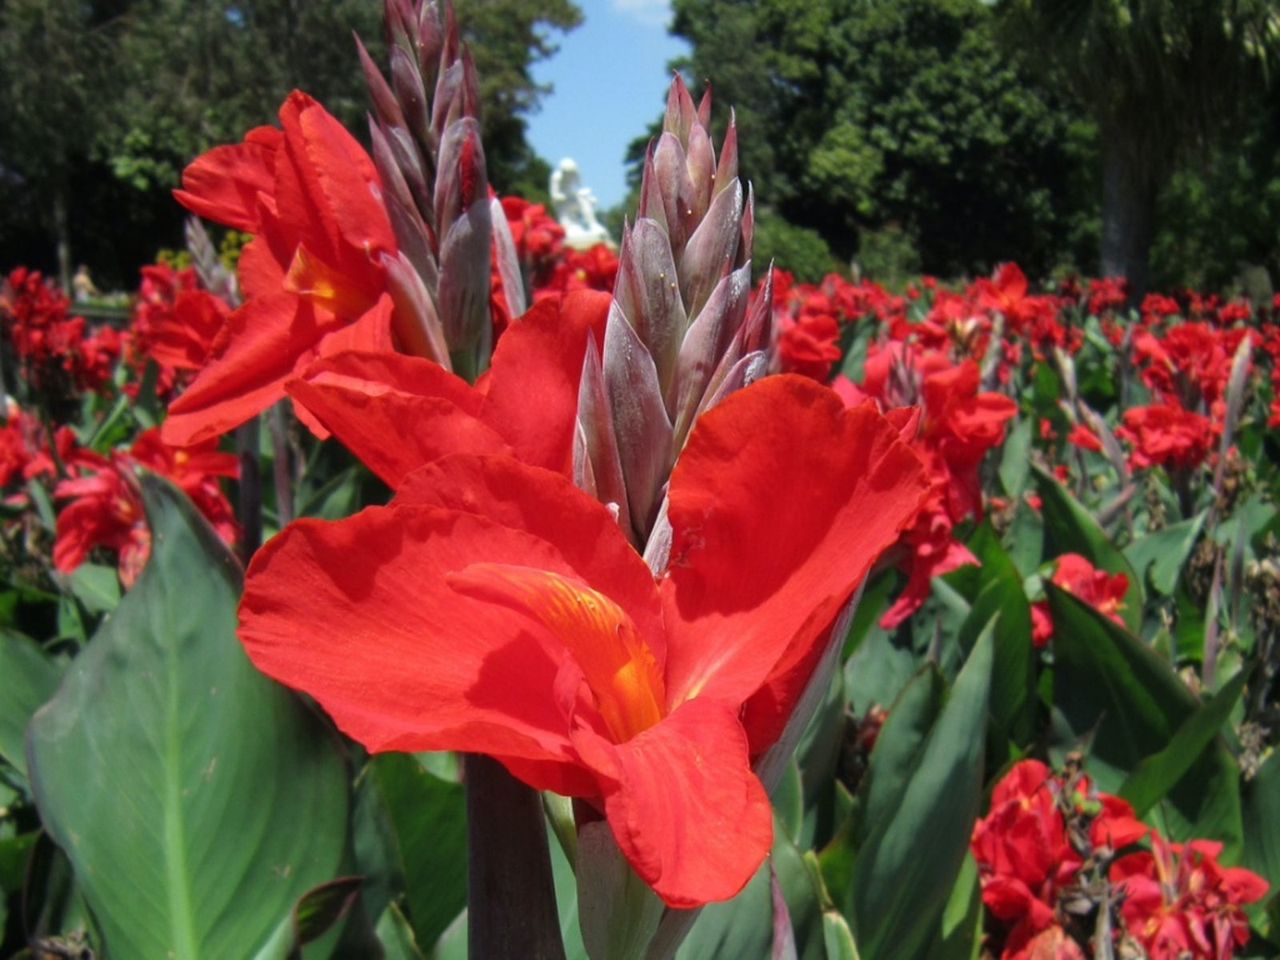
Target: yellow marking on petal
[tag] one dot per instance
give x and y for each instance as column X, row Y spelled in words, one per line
column 313, row 279
column 617, row 664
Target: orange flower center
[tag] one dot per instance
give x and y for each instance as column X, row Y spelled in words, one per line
column 617, row 664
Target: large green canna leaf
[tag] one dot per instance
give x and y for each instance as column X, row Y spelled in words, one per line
column 428, row 817
column 1160, row 556
column 1111, row 688
column 1159, row 773
column 197, row 800
column 1261, row 802
column 1001, row 595
column 30, row 678
column 907, row 867
column 1070, row 528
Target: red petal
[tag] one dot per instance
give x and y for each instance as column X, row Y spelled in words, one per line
column 325, row 198
column 685, row 808
column 617, row 665
column 223, row 184
column 262, row 343
column 358, row 614
column 548, row 506
column 537, row 366
column 395, row 412
column 779, row 506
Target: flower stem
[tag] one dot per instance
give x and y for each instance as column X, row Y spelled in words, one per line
column 510, row 891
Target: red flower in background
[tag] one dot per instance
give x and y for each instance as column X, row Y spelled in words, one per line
column 1024, row 855
column 809, row 345
column 312, row 277
column 1166, row 435
column 538, row 237
column 495, row 608
column 1107, row 293
column 1179, row 902
column 1076, row 575
column 105, row 510
column 57, row 354
column 175, row 324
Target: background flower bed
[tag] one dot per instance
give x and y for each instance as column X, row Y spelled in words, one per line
column 1103, row 482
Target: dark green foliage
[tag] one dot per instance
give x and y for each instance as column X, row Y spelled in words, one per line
column 799, row 250
column 863, row 115
column 103, row 104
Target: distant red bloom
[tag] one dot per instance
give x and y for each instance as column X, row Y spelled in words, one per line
column 538, row 237
column 962, row 424
column 595, row 268
column 809, row 345
column 1024, row 855
column 1179, row 903
column 1166, row 435
column 932, row 551
column 1084, row 438
column 105, row 510
column 1029, row 857
column 175, row 324
column 57, row 353
column 312, row 277
column 1076, row 575
column 1007, row 294
column 1156, row 306
column 1107, row 293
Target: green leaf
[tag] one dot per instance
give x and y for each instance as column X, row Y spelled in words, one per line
column 1161, row 555
column 1260, row 803
column 1070, row 528
column 618, row 912
column 396, row 936
column 429, row 820
column 1159, row 773
column 1110, row 687
column 744, row 926
column 315, row 912
column 1013, row 670
column 905, row 871
column 97, row 587
column 1025, row 539
column 196, row 799
column 30, row 678
column 836, row 937
column 1015, row 459
column 960, row 932
column 896, row 754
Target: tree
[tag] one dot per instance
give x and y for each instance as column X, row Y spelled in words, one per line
column 52, row 78
column 102, row 104
column 864, row 115
column 1160, row 77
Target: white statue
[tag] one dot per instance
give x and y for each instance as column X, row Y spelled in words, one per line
column 575, row 207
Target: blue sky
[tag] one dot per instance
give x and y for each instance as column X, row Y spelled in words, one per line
column 610, row 78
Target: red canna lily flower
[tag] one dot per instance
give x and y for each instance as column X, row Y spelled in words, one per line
column 494, row 608
column 809, row 345
column 397, row 412
column 312, row 277
column 1179, row 902
column 1076, row 575
column 1164, row 434
column 105, row 506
